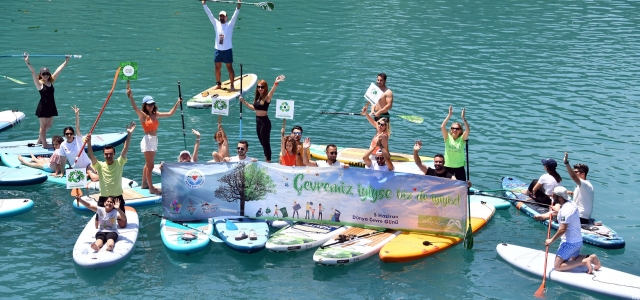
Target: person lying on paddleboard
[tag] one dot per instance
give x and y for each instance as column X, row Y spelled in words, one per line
column 541, row 189
column 243, row 148
column 223, row 41
column 48, row 164
column 223, row 143
column 382, row 127
column 383, row 158
column 72, row 146
column 454, row 145
column 382, row 108
column 331, row 152
column 568, row 255
column 107, row 225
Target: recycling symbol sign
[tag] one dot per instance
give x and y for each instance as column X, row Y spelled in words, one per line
column 220, row 105
column 284, row 107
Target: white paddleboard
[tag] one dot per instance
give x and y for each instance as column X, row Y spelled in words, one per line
column 9, row 118
column 301, row 236
column 353, row 250
column 185, row 240
column 204, row 98
column 25, row 148
column 86, row 257
column 14, row 207
column 134, row 197
column 605, row 281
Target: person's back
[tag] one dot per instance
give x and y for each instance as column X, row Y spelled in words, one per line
column 569, row 214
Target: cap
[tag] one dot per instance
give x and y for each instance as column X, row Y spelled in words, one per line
column 184, row 152
column 549, row 163
column 44, row 70
column 148, row 100
column 222, row 12
column 561, row 191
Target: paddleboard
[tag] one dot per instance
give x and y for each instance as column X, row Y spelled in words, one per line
column 498, row 203
column 353, row 156
column 14, row 207
column 86, row 257
column 279, row 223
column 597, row 235
column 204, row 98
column 228, row 230
column 185, row 240
column 25, row 148
column 9, row 118
column 11, row 160
column 365, row 243
column 21, row 176
column 302, row 236
column 410, row 246
column 606, row 281
column 134, row 197
column 156, row 170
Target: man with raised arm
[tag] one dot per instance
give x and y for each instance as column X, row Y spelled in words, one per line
column 110, row 171
column 438, row 163
column 224, row 35
column 383, row 158
column 332, row 154
column 583, row 193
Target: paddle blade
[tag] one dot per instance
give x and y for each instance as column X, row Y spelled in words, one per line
column 468, row 239
column 540, row 292
column 76, row 192
column 266, row 5
column 14, row 80
column 413, row 119
column 230, row 225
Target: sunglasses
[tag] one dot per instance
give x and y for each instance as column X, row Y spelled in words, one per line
column 333, row 153
column 297, row 133
column 576, row 171
column 240, row 148
column 68, row 133
column 379, row 158
column 456, row 128
column 382, row 124
column 45, row 74
column 260, row 87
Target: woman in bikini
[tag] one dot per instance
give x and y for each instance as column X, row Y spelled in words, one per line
column 382, row 127
column 149, row 116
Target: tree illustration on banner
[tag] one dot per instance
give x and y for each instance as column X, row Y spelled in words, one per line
column 247, row 182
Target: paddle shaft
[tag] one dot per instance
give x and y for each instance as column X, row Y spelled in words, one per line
column 412, row 119
column 211, row 237
column 264, row 5
column 468, row 238
column 44, row 55
column 354, row 238
column 184, row 134
column 241, row 103
column 540, row 291
column 113, row 86
column 13, row 79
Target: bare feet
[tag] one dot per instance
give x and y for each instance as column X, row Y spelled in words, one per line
column 595, row 261
column 232, row 89
column 94, row 246
column 154, row 190
column 110, row 245
column 217, row 87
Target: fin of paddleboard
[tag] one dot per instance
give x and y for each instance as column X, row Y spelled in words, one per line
column 230, row 225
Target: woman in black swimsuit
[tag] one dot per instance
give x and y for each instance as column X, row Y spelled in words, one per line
column 47, row 106
column 261, row 106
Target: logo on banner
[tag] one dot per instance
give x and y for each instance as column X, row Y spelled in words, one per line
column 175, row 207
column 190, row 208
column 285, row 109
column 194, row 179
column 206, row 207
column 219, row 106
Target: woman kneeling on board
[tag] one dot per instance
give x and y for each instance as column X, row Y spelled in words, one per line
column 108, row 217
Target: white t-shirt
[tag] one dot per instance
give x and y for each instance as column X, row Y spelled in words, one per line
column 569, row 215
column 375, row 166
column 70, row 151
column 225, row 29
column 324, row 164
column 237, row 159
column 107, row 221
column 583, row 198
column 548, row 183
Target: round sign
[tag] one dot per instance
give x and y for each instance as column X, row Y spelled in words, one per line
column 128, row 71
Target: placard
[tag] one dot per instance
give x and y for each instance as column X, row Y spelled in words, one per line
column 219, row 106
column 373, row 94
column 284, row 109
column 76, row 178
column 129, row 70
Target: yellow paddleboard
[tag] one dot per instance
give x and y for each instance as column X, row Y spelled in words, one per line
column 353, row 156
column 204, row 98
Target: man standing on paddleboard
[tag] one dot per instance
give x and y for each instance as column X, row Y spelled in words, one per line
column 382, row 108
column 224, row 34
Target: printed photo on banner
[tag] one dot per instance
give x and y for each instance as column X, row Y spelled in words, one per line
column 284, row 109
column 219, row 106
column 76, row 178
column 373, row 94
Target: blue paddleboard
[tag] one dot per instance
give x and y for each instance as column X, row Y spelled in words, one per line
column 21, row 176
column 228, row 230
column 10, row 118
column 183, row 239
column 14, row 207
column 25, row 148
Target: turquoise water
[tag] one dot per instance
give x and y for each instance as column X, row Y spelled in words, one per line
column 537, row 79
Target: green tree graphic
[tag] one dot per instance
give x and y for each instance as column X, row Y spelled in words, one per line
column 247, row 182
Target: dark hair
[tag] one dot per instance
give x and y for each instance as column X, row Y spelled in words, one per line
column 68, row 128
column 297, row 127
column 439, row 155
column 292, row 140
column 109, row 147
column 246, row 144
column 57, row 138
column 153, row 111
column 582, row 168
column 383, row 75
column 554, row 173
column 329, row 146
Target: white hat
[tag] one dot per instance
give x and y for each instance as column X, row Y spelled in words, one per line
column 561, row 191
column 184, row 152
column 222, row 12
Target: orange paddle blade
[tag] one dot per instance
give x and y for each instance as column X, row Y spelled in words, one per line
column 76, row 192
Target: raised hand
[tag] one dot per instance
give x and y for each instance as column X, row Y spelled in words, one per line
column 131, row 127
column 26, row 57
column 197, row 133
column 566, row 158
column 462, row 115
column 450, row 110
column 417, row 146
column 279, row 78
column 128, row 89
column 87, row 139
column 307, row 143
column 116, row 202
column 75, row 109
column 364, row 109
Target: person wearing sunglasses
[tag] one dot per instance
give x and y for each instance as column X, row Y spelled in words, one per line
column 331, row 152
column 260, row 105
column 438, row 163
column 296, row 133
column 46, row 109
column 382, row 156
column 148, row 117
column 243, row 148
column 454, row 145
column 72, row 146
column 382, row 127
column 583, row 193
column 223, row 46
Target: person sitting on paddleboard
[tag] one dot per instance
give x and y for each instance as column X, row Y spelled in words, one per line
column 149, row 116
column 260, row 105
column 243, row 148
column 381, row 109
column 583, row 193
column 541, row 189
column 223, row 41
column 111, row 171
column 288, row 150
column 72, row 146
column 568, row 255
column 107, row 226
column 438, row 163
column 383, row 158
column 223, row 144
column 331, row 152
column 382, row 127
column 454, row 145
column 47, row 105
column 48, row 164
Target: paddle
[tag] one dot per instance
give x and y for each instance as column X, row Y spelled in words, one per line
column 211, row 237
column 264, row 5
column 346, row 238
column 184, row 134
column 517, row 200
column 76, row 192
column 13, row 79
column 541, row 290
column 241, row 103
column 43, row 55
column 468, row 238
column 412, row 119
column 479, row 192
column 113, row 86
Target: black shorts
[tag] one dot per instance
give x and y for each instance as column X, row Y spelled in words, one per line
column 101, row 200
column 104, row 236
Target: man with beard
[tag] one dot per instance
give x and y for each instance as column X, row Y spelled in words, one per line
column 383, row 158
column 243, row 148
column 332, row 154
column 296, row 133
column 438, row 163
column 224, row 34
column 381, row 109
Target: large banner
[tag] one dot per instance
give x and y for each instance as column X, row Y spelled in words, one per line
column 354, row 196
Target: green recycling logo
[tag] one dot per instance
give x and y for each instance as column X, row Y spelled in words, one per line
column 374, row 92
column 284, row 107
column 76, row 176
column 220, row 105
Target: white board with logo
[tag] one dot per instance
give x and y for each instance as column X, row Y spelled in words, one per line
column 220, row 106
column 373, row 94
column 284, row 109
column 76, row 178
